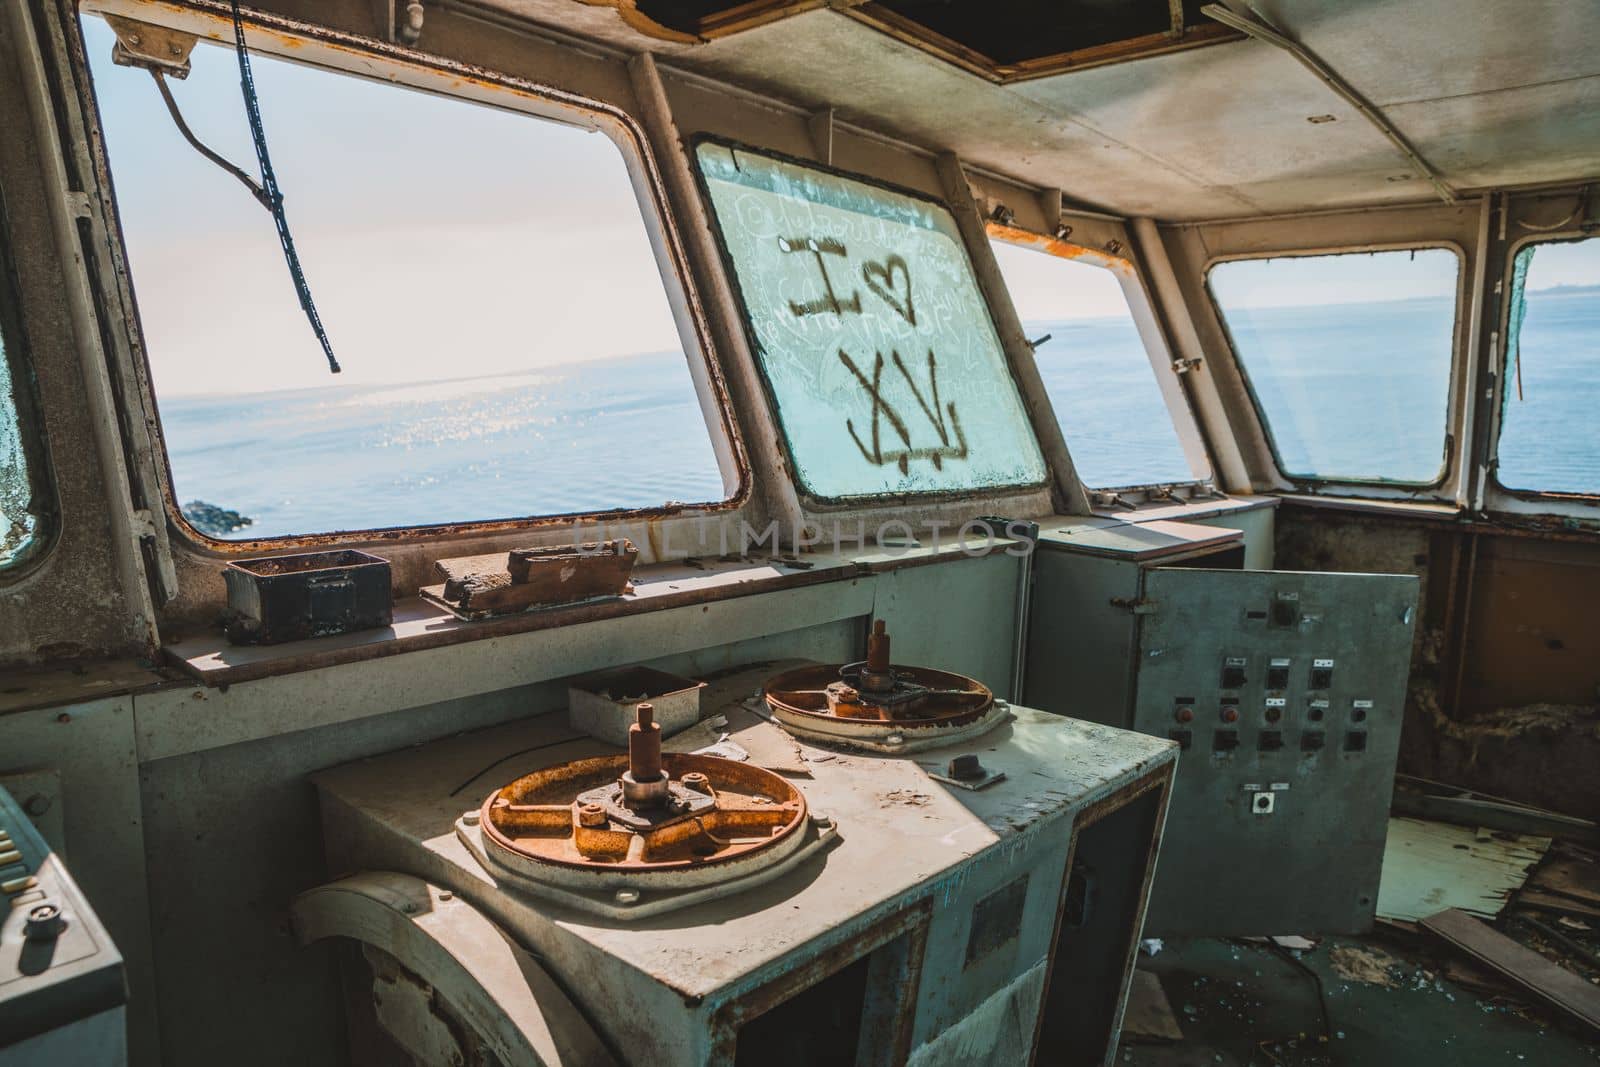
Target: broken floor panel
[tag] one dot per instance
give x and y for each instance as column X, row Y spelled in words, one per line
column 1240, row 1004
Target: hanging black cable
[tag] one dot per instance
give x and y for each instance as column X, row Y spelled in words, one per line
column 269, row 187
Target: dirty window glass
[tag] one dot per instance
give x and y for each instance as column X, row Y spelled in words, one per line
column 21, row 523
column 1096, row 369
column 1549, row 435
column 1348, row 358
column 871, row 332
column 485, row 277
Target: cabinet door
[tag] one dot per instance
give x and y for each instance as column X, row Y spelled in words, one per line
column 1287, row 690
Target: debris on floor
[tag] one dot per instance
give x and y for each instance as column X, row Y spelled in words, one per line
column 1390, row 1000
column 1429, row 867
column 1149, row 1014
column 1373, row 966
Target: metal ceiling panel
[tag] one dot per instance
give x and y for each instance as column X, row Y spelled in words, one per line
column 1491, row 93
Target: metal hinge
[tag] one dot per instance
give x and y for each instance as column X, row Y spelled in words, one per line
column 1184, row 366
column 1136, row 606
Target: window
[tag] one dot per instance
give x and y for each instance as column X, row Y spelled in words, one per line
column 1348, row 358
column 25, row 514
column 485, row 277
column 1096, row 369
column 867, row 322
column 1549, row 436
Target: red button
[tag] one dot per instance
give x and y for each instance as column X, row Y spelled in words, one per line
column 1274, row 714
column 1230, row 714
column 1185, row 714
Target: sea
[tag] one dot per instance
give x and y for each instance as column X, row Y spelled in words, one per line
column 1349, row 390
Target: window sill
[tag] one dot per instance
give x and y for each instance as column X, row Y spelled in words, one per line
column 1409, row 509
column 419, row 624
column 1189, row 510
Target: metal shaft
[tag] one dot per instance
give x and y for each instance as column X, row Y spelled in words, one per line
column 644, row 746
column 878, row 648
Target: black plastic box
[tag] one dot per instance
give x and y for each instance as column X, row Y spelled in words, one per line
column 288, row 598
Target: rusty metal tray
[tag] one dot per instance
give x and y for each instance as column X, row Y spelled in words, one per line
column 313, row 594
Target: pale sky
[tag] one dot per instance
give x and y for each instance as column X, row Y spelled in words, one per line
column 444, row 239
column 1043, row 286
column 441, row 239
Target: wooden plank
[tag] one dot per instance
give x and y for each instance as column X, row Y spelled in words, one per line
column 1560, row 905
column 1569, row 878
column 1548, row 982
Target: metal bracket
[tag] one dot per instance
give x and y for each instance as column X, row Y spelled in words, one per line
column 158, row 48
column 1136, row 606
column 1184, row 366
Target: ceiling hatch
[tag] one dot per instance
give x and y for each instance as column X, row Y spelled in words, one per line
column 1002, row 40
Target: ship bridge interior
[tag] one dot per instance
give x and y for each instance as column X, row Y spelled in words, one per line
column 397, row 396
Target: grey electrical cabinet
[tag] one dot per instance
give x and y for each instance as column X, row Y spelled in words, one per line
column 1285, row 691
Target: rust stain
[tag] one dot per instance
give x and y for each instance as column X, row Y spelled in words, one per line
column 1055, row 246
column 728, row 810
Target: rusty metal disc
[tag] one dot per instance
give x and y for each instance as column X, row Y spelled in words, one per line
column 575, row 821
column 901, row 709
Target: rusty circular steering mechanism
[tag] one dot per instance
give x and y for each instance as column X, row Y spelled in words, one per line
column 880, row 705
column 648, row 820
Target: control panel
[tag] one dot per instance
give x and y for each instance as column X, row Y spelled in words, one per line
column 61, row 979
column 1293, row 709
column 1284, row 692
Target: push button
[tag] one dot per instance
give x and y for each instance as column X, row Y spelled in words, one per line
column 1278, row 674
column 1224, row 740
column 1311, row 740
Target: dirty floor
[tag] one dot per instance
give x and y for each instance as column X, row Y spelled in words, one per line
column 1245, row 1004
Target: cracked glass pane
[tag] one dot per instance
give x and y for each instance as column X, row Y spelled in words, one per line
column 18, row 524
column 871, row 332
column 1549, row 438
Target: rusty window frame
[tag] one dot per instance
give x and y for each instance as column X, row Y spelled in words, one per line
column 282, row 39
column 730, row 272
column 26, row 407
column 1142, row 314
column 1341, row 485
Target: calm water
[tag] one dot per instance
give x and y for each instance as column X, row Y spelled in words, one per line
column 1356, row 390
column 619, row 433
